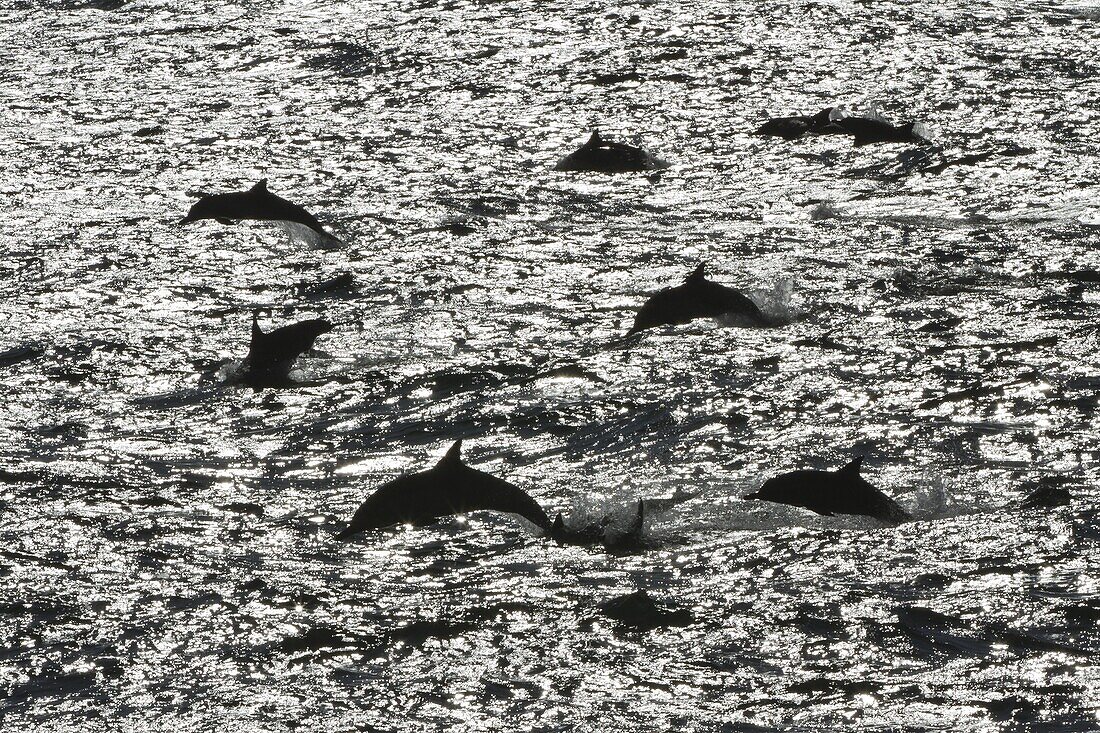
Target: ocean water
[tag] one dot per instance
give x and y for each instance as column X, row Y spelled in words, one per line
column 167, row 560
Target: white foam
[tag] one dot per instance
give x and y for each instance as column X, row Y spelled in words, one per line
column 299, row 233
column 777, row 302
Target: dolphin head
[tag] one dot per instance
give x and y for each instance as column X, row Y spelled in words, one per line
column 380, row 510
column 205, row 208
column 315, row 327
column 772, row 490
column 794, row 488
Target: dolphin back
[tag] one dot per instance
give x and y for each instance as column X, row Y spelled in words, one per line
column 605, row 156
column 476, row 491
column 832, row 492
column 696, row 298
column 283, row 345
column 422, row 498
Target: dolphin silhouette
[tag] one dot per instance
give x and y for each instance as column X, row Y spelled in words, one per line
column 589, row 534
column 874, row 128
column 259, row 204
column 604, row 156
column 597, row 531
column 832, row 492
column 697, row 297
column 795, row 126
column 641, row 612
column 272, row 354
column 449, row 487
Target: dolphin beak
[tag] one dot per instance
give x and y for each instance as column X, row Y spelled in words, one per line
column 753, row 495
column 186, row 220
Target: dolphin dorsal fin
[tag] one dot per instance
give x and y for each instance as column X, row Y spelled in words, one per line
column 256, row 332
column 260, row 187
column 454, row 455
column 595, row 141
column 853, row 466
column 698, row 275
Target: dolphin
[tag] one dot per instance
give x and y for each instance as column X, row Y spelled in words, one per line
column 257, row 203
column 832, row 492
column 1047, row 493
column 603, row 156
column 795, row 126
column 589, row 534
column 697, row 297
column 272, row 354
column 449, row 487
column 874, row 128
column 597, row 531
column 639, row 611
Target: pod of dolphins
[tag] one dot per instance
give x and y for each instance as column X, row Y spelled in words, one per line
column 451, row 487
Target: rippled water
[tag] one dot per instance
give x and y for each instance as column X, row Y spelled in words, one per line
column 167, row 557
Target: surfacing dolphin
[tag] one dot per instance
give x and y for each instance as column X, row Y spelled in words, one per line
column 259, row 204
column 795, row 126
column 449, row 487
column 601, row 531
column 874, row 128
column 597, row 532
column 842, row 491
column 271, row 355
column 697, row 297
column 604, row 156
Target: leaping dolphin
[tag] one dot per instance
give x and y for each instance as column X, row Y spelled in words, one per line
column 842, row 491
column 271, row 355
column 697, row 297
column 449, row 487
column 259, row 204
column 604, row 156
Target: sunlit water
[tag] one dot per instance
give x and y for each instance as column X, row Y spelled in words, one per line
column 166, row 547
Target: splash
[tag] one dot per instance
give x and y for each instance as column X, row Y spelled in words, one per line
column 778, row 302
column 301, row 234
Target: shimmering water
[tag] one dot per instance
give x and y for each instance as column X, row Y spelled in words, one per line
column 166, row 554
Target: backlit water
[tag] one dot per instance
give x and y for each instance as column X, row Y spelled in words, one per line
column 166, row 551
